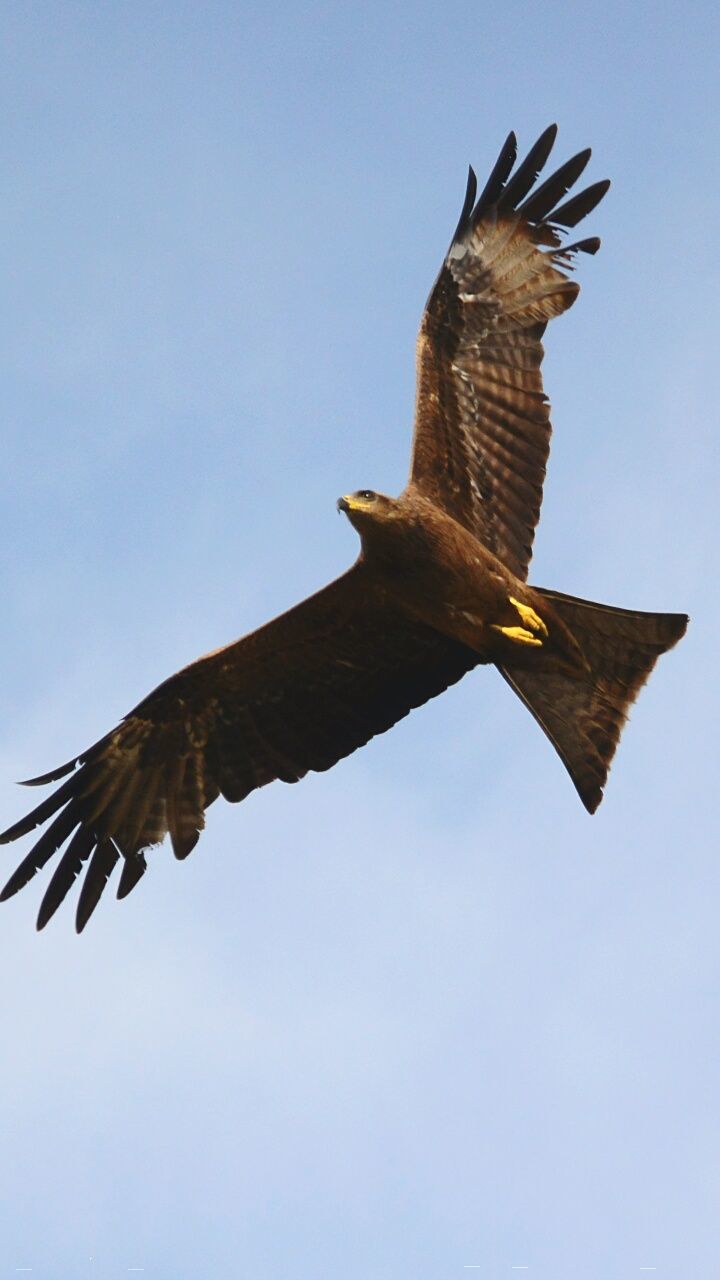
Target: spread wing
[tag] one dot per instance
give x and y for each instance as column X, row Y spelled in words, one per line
column 482, row 421
column 299, row 694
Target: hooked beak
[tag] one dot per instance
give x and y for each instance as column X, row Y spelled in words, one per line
column 343, row 504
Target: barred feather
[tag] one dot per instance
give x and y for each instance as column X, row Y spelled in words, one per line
column 477, row 454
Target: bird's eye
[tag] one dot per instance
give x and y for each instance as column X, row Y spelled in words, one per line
column 367, row 495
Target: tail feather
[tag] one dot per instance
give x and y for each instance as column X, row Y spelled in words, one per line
column 583, row 714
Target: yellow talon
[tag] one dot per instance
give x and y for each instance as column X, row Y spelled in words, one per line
column 518, row 634
column 529, row 617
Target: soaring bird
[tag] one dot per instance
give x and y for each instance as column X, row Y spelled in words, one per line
column 439, row 587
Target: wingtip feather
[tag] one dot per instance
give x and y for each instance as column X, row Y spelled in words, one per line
column 468, row 203
column 498, row 177
column 579, row 206
column 45, row 778
column 539, row 204
column 66, row 873
column 524, row 177
column 134, row 869
column 182, row 844
column 102, row 865
column 589, row 246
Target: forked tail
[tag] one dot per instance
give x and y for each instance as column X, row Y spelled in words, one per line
column 583, row 715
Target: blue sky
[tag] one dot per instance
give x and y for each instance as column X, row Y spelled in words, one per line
column 421, row 1013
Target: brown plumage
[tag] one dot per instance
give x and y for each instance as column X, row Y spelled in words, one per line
column 439, row 587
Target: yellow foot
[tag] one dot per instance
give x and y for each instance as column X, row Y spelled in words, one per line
column 530, row 618
column 518, row 634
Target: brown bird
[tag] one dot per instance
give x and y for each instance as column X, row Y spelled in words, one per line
column 439, row 585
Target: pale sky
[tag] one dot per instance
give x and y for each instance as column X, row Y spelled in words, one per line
column 420, row 1017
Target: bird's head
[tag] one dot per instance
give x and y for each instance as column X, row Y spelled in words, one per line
column 368, row 511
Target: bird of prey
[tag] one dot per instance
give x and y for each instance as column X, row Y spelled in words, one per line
column 439, row 587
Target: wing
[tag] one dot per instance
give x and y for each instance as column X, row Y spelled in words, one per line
column 482, row 421
column 299, row 694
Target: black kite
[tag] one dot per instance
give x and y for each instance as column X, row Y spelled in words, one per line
column 439, row 586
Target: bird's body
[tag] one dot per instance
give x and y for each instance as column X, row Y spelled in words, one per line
column 439, row 573
column 439, row 588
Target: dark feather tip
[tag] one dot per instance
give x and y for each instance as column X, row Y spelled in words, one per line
column 53, row 776
column 133, row 870
column 496, row 182
column 182, row 846
column 579, row 206
column 525, row 175
column 470, row 193
column 591, row 246
column 97, row 875
column 539, row 204
column 65, row 874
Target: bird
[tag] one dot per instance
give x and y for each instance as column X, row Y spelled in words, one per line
column 439, row 587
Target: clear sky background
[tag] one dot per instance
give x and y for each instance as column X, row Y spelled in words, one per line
column 421, row 1013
